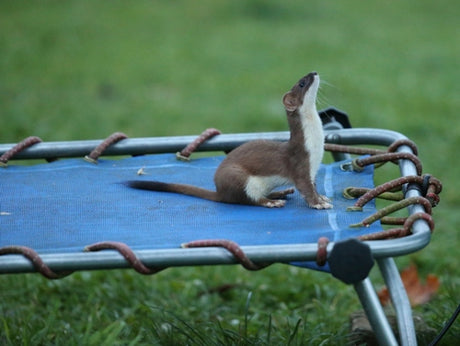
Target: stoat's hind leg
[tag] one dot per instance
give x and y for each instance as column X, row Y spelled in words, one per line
column 259, row 190
column 281, row 194
column 271, row 203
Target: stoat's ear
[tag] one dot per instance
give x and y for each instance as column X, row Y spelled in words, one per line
column 290, row 102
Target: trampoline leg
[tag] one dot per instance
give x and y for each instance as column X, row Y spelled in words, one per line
column 400, row 301
column 374, row 312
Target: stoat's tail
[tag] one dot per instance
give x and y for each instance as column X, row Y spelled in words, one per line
column 184, row 189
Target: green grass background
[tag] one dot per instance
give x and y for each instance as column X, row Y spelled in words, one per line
column 84, row 69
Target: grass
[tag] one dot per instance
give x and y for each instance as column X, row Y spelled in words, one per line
column 83, row 69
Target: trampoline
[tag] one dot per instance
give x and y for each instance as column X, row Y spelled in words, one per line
column 73, row 213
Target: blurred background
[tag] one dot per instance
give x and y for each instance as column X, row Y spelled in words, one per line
column 80, row 69
column 84, row 69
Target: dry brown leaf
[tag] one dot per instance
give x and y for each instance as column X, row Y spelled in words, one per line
column 417, row 292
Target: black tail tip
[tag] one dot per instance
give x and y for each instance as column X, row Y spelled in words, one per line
column 131, row 183
column 146, row 185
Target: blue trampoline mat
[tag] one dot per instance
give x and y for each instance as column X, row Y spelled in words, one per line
column 63, row 206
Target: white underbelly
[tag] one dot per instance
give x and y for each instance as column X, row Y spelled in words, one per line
column 261, row 186
column 314, row 144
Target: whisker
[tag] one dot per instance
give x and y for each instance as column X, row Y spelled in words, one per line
column 328, row 84
column 322, row 99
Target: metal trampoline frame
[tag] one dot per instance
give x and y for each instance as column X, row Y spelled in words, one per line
column 382, row 250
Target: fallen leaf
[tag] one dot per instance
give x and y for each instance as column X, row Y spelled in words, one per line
column 417, row 292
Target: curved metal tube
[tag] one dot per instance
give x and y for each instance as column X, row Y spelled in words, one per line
column 207, row 256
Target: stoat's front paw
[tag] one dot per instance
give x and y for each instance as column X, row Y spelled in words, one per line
column 319, row 202
column 324, row 199
column 321, row 205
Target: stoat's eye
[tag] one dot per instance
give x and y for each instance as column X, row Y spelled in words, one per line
column 302, row 84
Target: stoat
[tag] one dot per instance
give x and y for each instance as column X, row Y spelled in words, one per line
column 250, row 173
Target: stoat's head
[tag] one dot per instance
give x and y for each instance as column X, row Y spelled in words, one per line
column 303, row 94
